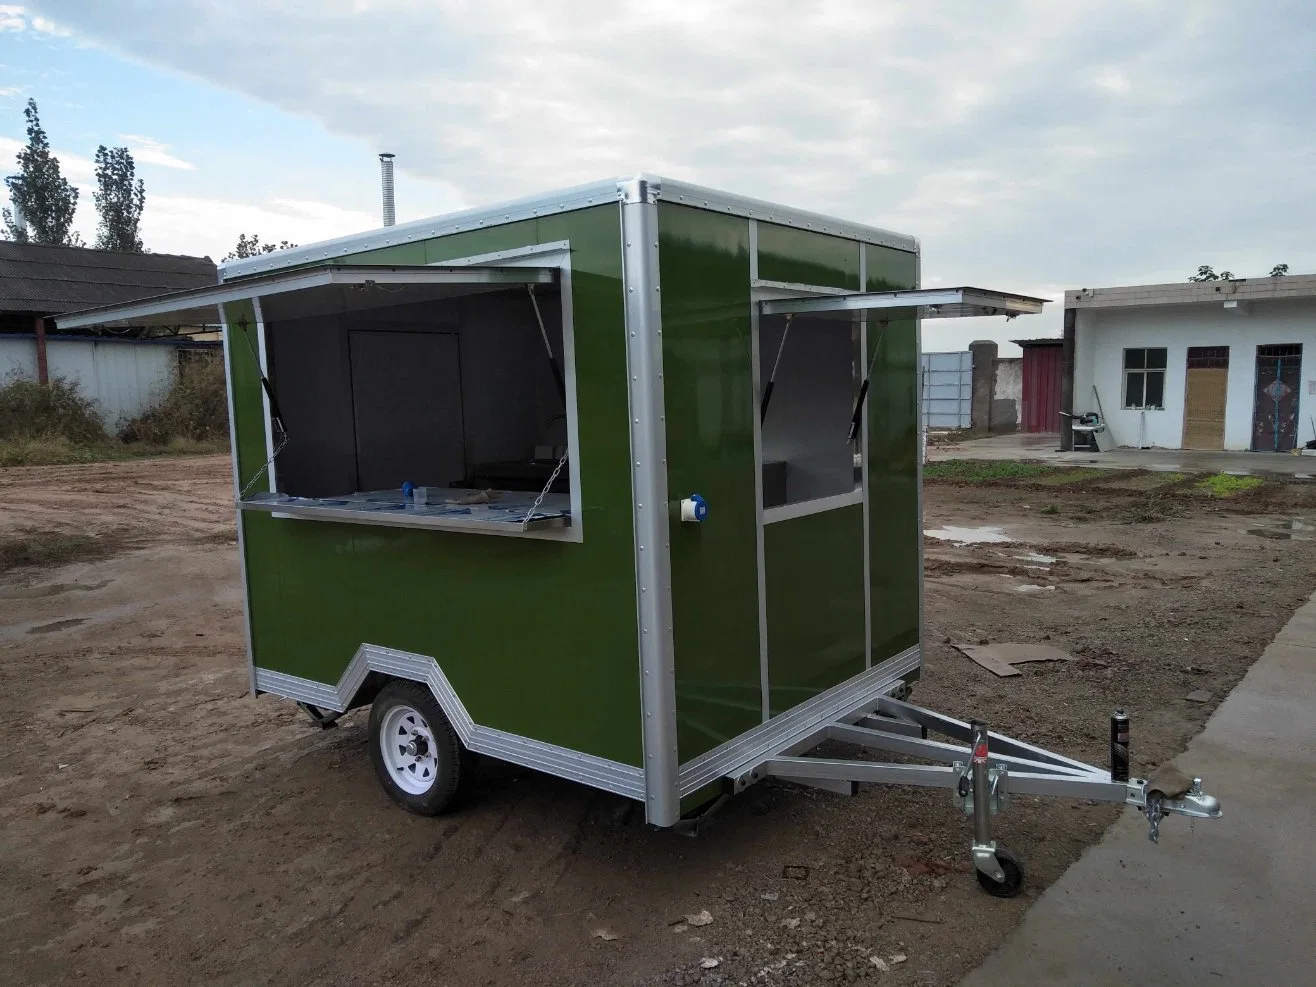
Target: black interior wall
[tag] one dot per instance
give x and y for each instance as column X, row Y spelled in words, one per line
column 508, row 400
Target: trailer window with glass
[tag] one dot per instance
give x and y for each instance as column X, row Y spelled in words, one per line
column 419, row 404
column 809, row 370
column 1144, row 378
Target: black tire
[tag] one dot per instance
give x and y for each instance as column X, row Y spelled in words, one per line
column 429, row 777
column 1014, row 876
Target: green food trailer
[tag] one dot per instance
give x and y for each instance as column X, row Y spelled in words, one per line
column 620, row 483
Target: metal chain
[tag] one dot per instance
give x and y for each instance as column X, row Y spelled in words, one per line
column 283, row 441
column 552, row 478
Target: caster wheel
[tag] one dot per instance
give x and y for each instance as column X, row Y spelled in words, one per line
column 1014, row 876
column 415, row 751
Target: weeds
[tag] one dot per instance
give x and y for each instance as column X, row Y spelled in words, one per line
column 1227, row 484
column 195, row 409
column 54, row 424
column 984, row 470
column 31, row 412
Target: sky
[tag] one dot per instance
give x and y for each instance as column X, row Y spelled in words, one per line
column 1031, row 145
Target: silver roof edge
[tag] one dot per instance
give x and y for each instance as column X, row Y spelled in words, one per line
column 639, row 187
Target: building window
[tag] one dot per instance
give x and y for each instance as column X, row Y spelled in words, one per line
column 1144, row 378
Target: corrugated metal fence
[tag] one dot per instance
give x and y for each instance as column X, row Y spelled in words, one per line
column 123, row 376
column 948, row 390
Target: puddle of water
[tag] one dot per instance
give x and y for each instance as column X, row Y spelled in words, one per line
column 1290, row 530
column 1032, row 588
column 58, row 625
column 1048, row 559
column 968, row 536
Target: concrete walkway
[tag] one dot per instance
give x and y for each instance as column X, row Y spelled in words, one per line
column 1044, row 448
column 1225, row 901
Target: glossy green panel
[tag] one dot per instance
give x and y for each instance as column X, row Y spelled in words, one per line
column 805, row 257
column 815, row 594
column 893, row 444
column 403, row 255
column 538, row 637
column 709, row 395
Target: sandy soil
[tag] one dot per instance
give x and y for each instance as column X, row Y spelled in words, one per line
column 158, row 825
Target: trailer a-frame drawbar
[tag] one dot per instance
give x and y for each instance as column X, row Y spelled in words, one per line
column 621, row 483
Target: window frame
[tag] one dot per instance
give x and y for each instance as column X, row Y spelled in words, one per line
column 1143, row 373
column 555, row 254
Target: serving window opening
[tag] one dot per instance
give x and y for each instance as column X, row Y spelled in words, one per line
column 420, row 404
column 810, row 373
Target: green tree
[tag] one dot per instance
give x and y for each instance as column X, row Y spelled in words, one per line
column 44, row 201
column 1204, row 273
column 1279, row 271
column 120, row 197
column 250, row 246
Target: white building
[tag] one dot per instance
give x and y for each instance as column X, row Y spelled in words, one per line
column 1198, row 365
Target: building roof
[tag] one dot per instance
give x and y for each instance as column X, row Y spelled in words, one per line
column 1295, row 286
column 50, row 280
column 1044, row 341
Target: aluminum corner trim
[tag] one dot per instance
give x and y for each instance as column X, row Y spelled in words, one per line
column 854, row 696
column 644, row 362
column 598, row 772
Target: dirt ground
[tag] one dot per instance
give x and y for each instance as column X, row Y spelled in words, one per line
column 158, row 825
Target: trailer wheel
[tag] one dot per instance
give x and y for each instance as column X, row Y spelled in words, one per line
column 414, row 749
column 1014, row 876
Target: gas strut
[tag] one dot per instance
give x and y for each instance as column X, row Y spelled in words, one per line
column 552, row 360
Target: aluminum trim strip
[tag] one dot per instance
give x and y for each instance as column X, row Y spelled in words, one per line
column 785, row 512
column 612, row 776
column 644, row 359
column 764, row 291
column 554, row 528
column 925, row 300
column 856, row 695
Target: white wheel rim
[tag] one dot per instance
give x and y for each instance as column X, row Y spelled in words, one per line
column 407, row 742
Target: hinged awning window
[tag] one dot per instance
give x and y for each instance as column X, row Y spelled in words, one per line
column 320, row 290
column 926, row 303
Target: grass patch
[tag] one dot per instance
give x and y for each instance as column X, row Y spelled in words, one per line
column 1227, row 485
column 985, row 470
column 42, row 549
column 58, row 451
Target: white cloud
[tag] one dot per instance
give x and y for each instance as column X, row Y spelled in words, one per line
column 195, row 225
column 11, row 18
column 147, row 150
column 1026, row 142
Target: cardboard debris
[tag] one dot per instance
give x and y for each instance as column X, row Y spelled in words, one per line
column 1000, row 659
column 607, row 935
column 702, row 918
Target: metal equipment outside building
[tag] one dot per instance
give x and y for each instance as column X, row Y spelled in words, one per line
column 620, row 483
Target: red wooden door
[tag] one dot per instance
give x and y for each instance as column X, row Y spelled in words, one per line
column 1043, row 366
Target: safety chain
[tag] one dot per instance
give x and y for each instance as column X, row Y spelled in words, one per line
column 552, row 478
column 283, row 441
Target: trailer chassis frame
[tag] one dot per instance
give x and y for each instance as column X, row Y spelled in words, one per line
column 982, row 770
